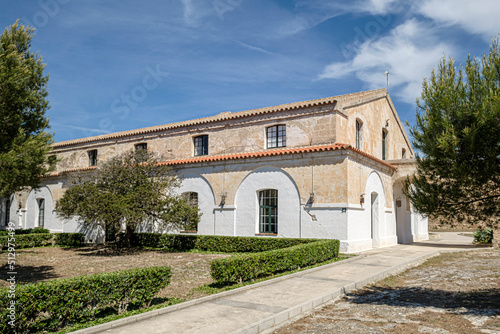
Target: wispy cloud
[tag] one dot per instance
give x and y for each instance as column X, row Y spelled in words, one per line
column 409, row 53
column 477, row 17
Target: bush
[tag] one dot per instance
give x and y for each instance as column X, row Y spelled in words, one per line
column 250, row 266
column 171, row 242
column 70, row 239
column 49, row 306
column 26, row 231
column 27, row 240
column 245, row 244
column 483, row 235
column 214, row 243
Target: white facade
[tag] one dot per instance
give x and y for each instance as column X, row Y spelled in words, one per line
column 331, row 178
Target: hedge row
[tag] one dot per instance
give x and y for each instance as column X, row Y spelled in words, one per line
column 214, row 243
column 245, row 244
column 70, row 239
column 250, row 266
column 27, row 240
column 49, row 306
column 26, row 231
column 171, row 242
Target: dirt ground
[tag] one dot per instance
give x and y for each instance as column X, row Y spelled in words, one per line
column 189, row 270
column 451, row 293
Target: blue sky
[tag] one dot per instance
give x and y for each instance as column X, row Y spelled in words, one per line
column 121, row 65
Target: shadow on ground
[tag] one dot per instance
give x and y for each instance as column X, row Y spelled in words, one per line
column 29, row 274
column 422, row 297
column 108, row 251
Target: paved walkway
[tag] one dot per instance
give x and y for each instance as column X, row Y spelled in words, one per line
column 259, row 307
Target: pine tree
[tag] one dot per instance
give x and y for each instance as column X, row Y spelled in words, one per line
column 24, row 142
column 458, row 132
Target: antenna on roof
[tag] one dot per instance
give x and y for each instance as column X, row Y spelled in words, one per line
column 387, row 77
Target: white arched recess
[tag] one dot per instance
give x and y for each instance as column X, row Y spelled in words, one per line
column 193, row 182
column 32, row 210
column 402, row 211
column 372, row 226
column 247, row 202
column 411, row 225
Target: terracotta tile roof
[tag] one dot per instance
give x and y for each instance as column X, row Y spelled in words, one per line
column 80, row 169
column 277, row 152
column 348, row 98
column 267, row 153
column 260, row 154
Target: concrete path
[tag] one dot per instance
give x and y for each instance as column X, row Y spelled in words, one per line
column 262, row 306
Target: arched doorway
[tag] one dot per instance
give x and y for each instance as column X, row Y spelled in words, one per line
column 402, row 212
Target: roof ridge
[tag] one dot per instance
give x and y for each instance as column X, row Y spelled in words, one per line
column 219, row 117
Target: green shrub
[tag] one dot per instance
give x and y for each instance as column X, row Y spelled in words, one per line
column 214, row 243
column 26, row 231
column 171, row 242
column 228, row 244
column 151, row 240
column 178, row 242
column 483, row 235
column 27, row 240
column 49, row 306
column 250, row 266
column 70, row 239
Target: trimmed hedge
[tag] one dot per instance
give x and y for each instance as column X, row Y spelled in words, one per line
column 70, row 239
column 245, row 267
column 214, row 243
column 26, row 231
column 227, row 244
column 27, row 240
column 171, row 242
column 49, row 306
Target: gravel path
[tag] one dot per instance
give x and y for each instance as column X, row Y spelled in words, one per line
column 452, row 293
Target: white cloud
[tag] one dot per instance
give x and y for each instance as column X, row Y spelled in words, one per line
column 477, row 17
column 409, row 53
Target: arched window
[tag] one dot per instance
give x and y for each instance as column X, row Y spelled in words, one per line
column 403, row 154
column 359, row 134
column 192, row 200
column 268, row 211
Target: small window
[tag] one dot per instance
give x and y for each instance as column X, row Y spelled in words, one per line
column 92, row 157
column 192, row 200
column 276, row 136
column 41, row 212
column 384, row 144
column 359, row 134
column 268, row 211
column 141, row 146
column 403, row 154
column 201, row 145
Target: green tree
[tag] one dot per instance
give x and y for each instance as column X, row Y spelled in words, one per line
column 458, row 132
column 126, row 191
column 24, row 142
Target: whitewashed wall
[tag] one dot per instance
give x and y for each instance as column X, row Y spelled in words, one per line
column 193, row 182
column 247, row 206
column 50, row 222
